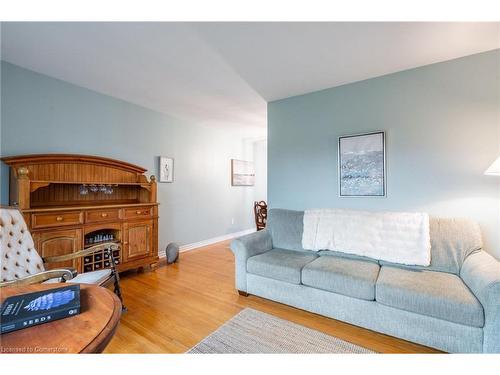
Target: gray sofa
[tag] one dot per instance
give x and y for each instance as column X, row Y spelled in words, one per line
column 452, row 305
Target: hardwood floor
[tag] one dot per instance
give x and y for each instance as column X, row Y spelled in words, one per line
column 172, row 308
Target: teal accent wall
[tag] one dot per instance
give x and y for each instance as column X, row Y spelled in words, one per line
column 45, row 115
column 442, row 128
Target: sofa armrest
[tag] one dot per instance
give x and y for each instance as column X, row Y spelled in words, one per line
column 64, row 274
column 246, row 247
column 481, row 273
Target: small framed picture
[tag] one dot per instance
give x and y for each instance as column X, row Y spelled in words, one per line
column 166, row 169
column 361, row 164
column 242, row 173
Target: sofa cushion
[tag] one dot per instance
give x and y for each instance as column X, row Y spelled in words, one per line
column 286, row 227
column 340, row 254
column 280, row 264
column 452, row 240
column 437, row 294
column 350, row 277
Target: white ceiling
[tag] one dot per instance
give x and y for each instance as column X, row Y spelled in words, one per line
column 223, row 74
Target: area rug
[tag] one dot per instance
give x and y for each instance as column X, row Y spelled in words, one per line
column 252, row 331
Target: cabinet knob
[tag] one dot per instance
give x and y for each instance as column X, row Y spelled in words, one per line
column 125, row 242
column 59, row 218
column 104, row 214
column 138, row 212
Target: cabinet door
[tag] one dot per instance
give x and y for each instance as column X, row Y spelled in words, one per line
column 60, row 242
column 138, row 240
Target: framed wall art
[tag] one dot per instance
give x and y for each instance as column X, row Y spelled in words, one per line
column 362, row 165
column 166, row 169
column 242, row 173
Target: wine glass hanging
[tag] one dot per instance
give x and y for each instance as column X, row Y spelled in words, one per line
column 84, row 189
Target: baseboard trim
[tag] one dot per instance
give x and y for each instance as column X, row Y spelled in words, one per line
column 210, row 241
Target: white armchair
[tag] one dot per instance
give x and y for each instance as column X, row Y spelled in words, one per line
column 20, row 263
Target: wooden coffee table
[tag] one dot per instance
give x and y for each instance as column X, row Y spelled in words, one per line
column 88, row 332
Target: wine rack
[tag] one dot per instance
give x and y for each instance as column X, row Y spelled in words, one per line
column 101, row 259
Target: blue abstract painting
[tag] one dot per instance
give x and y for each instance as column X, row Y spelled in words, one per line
column 362, row 165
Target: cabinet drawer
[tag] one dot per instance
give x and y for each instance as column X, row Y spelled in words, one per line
column 56, row 219
column 138, row 212
column 102, row 215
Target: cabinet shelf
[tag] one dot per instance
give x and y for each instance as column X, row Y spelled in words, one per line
column 38, row 184
column 88, row 207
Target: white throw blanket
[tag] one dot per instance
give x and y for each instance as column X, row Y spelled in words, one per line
column 399, row 237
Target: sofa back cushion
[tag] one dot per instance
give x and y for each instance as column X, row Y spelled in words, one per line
column 452, row 239
column 286, row 227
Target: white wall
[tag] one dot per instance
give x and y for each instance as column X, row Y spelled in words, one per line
column 260, row 159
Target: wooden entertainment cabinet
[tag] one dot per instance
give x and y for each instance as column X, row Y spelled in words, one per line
column 71, row 202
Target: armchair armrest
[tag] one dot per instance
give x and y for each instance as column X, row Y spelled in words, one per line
column 481, row 273
column 246, row 247
column 64, row 274
column 82, row 253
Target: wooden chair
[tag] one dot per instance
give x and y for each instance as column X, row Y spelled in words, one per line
column 260, row 211
column 21, row 264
